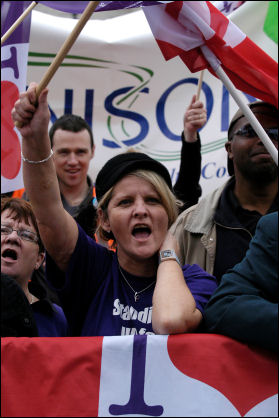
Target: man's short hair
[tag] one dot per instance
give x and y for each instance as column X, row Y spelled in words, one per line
column 72, row 123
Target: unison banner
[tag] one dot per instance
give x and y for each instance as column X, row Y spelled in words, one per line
column 202, row 375
column 117, row 79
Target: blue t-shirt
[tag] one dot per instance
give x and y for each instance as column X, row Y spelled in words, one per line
column 96, row 299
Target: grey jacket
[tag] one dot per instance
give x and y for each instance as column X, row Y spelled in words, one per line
column 195, row 231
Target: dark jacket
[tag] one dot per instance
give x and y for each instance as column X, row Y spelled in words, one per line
column 17, row 318
column 245, row 305
column 216, row 232
column 235, row 227
column 187, row 188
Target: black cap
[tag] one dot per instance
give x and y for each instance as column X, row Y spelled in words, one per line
column 122, row 164
column 238, row 115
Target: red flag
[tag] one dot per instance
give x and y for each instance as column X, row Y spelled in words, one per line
column 182, row 28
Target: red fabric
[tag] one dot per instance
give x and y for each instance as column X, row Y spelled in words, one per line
column 250, row 69
column 194, row 59
column 10, row 145
column 174, row 8
column 60, row 377
column 52, row 377
column 219, row 22
column 245, row 375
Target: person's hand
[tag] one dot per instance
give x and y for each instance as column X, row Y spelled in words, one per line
column 194, row 119
column 32, row 117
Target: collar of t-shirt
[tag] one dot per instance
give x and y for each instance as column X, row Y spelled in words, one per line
column 230, row 213
column 75, row 210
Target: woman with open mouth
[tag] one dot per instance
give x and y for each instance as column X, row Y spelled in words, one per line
column 140, row 288
column 22, row 252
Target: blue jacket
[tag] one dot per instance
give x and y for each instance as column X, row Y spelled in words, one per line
column 245, row 305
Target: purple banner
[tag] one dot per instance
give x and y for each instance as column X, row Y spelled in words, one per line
column 75, row 7
column 79, row 6
column 227, row 7
column 10, row 12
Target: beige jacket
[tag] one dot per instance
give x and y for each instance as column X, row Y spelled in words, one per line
column 195, row 231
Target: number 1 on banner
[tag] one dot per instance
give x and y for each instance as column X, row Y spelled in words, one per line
column 136, row 403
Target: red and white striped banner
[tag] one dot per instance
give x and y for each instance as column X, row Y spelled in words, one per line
column 203, row 375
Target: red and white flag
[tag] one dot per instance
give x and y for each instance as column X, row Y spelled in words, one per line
column 201, row 375
column 183, row 28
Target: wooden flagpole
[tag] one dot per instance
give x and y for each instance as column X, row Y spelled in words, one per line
column 88, row 11
column 216, row 66
column 18, row 21
column 199, row 85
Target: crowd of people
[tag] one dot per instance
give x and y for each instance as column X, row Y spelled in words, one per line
column 133, row 254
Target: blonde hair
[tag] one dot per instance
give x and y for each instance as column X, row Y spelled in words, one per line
column 168, row 200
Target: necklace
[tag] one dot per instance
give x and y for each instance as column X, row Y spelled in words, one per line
column 136, row 294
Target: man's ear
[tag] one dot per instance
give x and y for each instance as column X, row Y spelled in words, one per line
column 228, row 146
column 103, row 220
